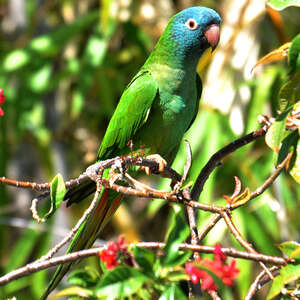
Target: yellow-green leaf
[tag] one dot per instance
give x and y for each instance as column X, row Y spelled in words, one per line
column 275, row 55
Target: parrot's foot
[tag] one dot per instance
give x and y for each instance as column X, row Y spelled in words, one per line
column 158, row 159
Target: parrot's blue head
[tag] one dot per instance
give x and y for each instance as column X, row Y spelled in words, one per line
column 193, row 30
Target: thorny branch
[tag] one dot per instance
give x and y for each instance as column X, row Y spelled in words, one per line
column 184, row 196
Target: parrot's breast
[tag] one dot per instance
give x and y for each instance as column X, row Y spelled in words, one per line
column 172, row 111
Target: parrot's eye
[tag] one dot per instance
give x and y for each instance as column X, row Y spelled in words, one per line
column 191, row 24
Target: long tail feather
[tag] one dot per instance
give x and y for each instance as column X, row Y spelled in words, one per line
column 108, row 202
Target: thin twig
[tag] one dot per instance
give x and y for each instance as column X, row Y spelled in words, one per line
column 260, row 280
column 187, row 166
column 215, row 160
column 216, row 218
column 211, row 223
column 75, row 228
column 272, row 177
column 242, row 241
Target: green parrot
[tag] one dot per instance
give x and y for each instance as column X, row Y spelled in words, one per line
column 157, row 107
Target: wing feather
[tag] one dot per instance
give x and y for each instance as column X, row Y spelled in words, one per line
column 130, row 114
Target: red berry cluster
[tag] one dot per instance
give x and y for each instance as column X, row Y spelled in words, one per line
column 226, row 272
column 116, row 253
column 2, row 99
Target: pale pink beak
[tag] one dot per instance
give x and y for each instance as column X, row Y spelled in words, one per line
column 212, row 34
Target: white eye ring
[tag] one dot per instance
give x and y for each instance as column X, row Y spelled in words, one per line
column 191, row 24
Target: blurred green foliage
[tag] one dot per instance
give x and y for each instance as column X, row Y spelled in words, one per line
column 63, row 67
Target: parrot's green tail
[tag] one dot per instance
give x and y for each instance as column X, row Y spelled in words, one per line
column 108, row 202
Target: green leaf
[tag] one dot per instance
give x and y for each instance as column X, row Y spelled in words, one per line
column 96, row 50
column 282, row 4
column 277, row 132
column 287, row 274
column 84, row 278
column 179, row 232
column 288, row 247
column 121, row 282
column 289, row 143
column 74, row 291
column 172, row 292
column 39, row 81
column 289, row 94
column 144, row 257
column 15, row 60
column 242, row 198
column 57, row 193
column 295, row 169
column 294, row 55
column 22, row 249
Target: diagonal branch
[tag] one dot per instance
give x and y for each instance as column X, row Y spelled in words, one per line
column 215, row 160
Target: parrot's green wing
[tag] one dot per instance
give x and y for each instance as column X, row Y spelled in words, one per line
column 131, row 113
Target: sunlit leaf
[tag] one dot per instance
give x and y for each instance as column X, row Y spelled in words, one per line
column 287, row 274
column 96, row 50
column 281, row 4
column 74, row 291
column 296, row 253
column 121, row 282
column 277, row 132
column 294, row 55
column 40, row 80
column 242, row 198
column 172, row 292
column 295, row 170
column 57, row 193
column 288, row 247
column 16, row 60
column 275, row 55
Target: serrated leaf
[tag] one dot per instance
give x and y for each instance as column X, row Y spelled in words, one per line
column 294, row 55
column 290, row 92
column 282, row 4
column 287, row 274
column 121, row 282
column 144, row 257
column 277, row 132
column 288, row 247
column 172, row 292
column 177, row 235
column 57, row 193
column 275, row 55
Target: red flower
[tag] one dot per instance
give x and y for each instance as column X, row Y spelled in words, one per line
column 229, row 273
column 116, row 253
column 218, row 252
column 110, row 256
column 218, row 266
column 2, row 100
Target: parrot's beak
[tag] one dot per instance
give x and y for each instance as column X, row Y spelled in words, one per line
column 212, row 34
